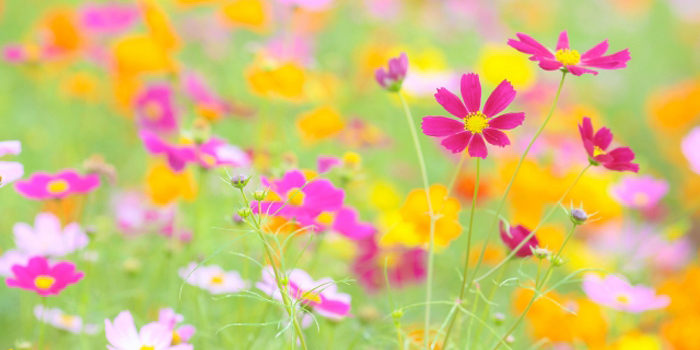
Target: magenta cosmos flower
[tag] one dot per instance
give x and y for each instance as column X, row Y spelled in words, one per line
column 321, row 296
column 42, row 186
column 641, row 192
column 615, row 292
column 570, row 60
column 344, row 221
column 177, row 155
column 514, row 236
column 596, row 145
column 404, row 266
column 108, row 18
column 392, row 78
column 42, row 278
column 155, row 109
column 473, row 124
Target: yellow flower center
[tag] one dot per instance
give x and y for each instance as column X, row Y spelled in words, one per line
column 67, row 320
column 217, row 279
column 623, row 299
column 295, row 197
column 568, row 57
column 208, row 159
column 311, row 296
column 176, row 339
column 44, row 282
column 476, row 122
column 57, row 186
column 146, row 347
column 152, row 110
column 640, row 199
column 598, row 151
column 326, row 218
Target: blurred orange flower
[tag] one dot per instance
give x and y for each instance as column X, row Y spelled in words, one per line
column 319, row 124
column 63, row 33
column 286, row 80
column 136, row 54
column 165, row 186
column 251, row 14
column 158, row 25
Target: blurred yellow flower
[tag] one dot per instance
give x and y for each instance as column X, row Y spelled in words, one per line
column 135, row 54
column 638, row 341
column 675, row 108
column 158, row 25
column 499, row 62
column 286, row 80
column 165, row 186
column 319, row 124
column 251, row 14
column 384, row 196
column 82, row 85
column 682, row 332
column 411, row 225
column 62, row 30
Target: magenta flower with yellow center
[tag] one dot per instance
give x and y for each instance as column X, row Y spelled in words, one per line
column 43, row 186
column 473, row 124
column 597, row 144
column 43, row 278
column 568, row 59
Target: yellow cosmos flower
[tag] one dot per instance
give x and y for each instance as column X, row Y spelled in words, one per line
column 675, row 109
column 638, row 341
column 81, row 85
column 410, row 226
column 251, row 14
column 319, row 124
column 384, row 196
column 499, row 62
column 62, row 29
column 158, row 25
column 137, row 53
column 165, row 186
column 286, row 80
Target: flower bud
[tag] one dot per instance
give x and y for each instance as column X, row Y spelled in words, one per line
column 244, row 212
column 578, row 216
column 239, row 181
column 556, row 260
column 540, row 253
column 498, row 318
column 392, row 78
column 259, row 195
column 510, row 339
column 397, row 314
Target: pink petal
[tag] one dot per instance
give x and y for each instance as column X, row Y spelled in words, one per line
column 614, row 61
column 477, row 147
column 586, row 129
column 596, row 51
column 457, row 142
column 579, row 71
column 450, row 102
column 507, row 121
column 500, row 98
column 603, row 138
column 550, row 64
column 535, row 45
column 496, row 137
column 471, row 91
column 563, row 43
column 441, row 126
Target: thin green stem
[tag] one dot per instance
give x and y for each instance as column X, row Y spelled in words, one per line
column 465, row 287
column 43, row 321
column 455, row 175
column 515, row 174
column 492, row 294
column 431, row 244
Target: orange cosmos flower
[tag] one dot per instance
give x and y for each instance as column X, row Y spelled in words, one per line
column 158, row 25
column 136, row 54
column 319, row 124
column 286, row 80
column 250, row 14
column 63, row 32
column 165, row 186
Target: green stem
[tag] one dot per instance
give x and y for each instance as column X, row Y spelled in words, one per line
column 487, row 307
column 431, row 244
column 465, row 287
column 456, row 173
column 515, row 174
column 43, row 321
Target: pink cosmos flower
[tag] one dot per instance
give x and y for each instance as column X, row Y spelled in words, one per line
column 170, row 319
column 44, row 279
column 197, row 89
column 10, row 171
column 213, row 279
column 691, row 149
column 641, row 192
column 108, row 18
column 473, row 125
column 43, row 186
column 514, row 236
column 405, row 266
column 134, row 214
column 48, row 237
column 11, row 258
column 297, row 199
column 345, row 221
column 155, row 109
column 618, row 159
column 122, row 334
column 310, row 5
column 392, row 78
column 298, row 49
column 216, row 152
column 57, row 318
column 325, row 164
column 320, row 296
column 177, row 155
column 617, row 293
column 570, row 60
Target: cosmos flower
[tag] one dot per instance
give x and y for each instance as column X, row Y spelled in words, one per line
column 344, row 221
column 213, row 278
column 321, row 296
column 10, row 171
column 155, row 109
column 392, row 78
column 568, row 59
column 108, row 18
column 325, row 164
column 177, row 155
column 691, row 149
column 641, row 192
column 473, row 125
column 216, row 152
column 405, row 266
column 164, row 186
column 514, row 236
column 319, row 124
column 44, row 279
column 48, row 237
column 43, row 186
column 617, row 293
column 310, row 5
column 122, row 334
column 204, row 97
column 134, row 214
column 170, row 319
column 618, row 159
column 11, row 258
column 57, row 318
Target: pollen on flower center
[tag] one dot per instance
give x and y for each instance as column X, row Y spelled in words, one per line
column 476, row 122
column 147, row 347
column 176, row 339
column 67, row 320
column 217, row 279
column 57, row 186
column 44, row 282
column 623, row 299
column 568, row 57
column 598, row 151
column 326, row 218
column 295, row 197
column 311, row 296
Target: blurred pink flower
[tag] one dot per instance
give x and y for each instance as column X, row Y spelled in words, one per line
column 570, row 60
column 216, row 152
column 122, row 334
column 48, row 238
column 618, row 159
column 203, row 96
column 134, row 213
column 11, row 258
column 10, row 171
column 297, row 48
column 320, row 296
column 311, row 5
column 344, row 221
column 177, row 155
column 640, row 192
column 42, row 186
column 473, row 125
column 617, row 293
column 57, row 318
column 213, row 278
column 392, row 78
column 155, row 109
column 514, row 236
column 170, row 319
column 109, row 17
column 405, row 266
column 44, row 279
column 325, row 164
column 691, row 149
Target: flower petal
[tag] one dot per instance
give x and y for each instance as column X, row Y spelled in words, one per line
column 596, row 51
column 550, row 64
column 496, row 137
column 457, row 142
column 507, row 121
column 579, row 71
column 603, row 138
column 563, row 43
column 471, row 91
column 450, row 102
column 441, row 126
column 477, row 147
column 500, row 98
